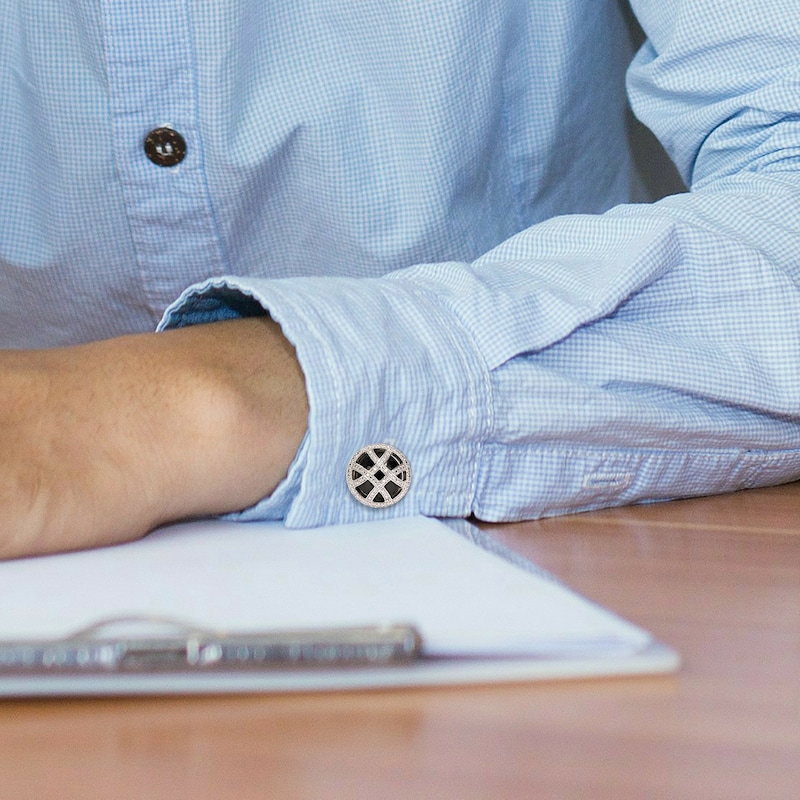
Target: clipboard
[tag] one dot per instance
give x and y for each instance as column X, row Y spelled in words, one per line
column 398, row 603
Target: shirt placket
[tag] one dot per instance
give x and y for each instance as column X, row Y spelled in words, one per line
column 152, row 89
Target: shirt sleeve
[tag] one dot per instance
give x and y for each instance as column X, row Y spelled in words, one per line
column 648, row 353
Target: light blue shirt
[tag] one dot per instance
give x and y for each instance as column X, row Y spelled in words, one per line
column 434, row 199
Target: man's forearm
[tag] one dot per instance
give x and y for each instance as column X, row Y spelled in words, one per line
column 104, row 441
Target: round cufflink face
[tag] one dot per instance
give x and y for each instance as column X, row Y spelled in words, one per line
column 378, row 475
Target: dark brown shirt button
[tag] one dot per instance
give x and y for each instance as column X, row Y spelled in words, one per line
column 165, row 147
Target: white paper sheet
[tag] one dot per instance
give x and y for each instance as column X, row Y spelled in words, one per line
column 253, row 576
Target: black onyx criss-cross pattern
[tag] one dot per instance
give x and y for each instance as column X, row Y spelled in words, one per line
column 378, row 475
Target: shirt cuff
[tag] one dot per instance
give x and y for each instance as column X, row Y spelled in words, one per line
column 383, row 363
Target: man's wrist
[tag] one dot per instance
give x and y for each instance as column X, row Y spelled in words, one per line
column 240, row 412
column 104, row 441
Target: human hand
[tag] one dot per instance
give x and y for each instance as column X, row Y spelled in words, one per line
column 100, row 443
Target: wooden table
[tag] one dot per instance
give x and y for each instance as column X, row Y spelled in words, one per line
column 717, row 578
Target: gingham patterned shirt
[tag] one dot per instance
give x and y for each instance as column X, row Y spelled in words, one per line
column 434, row 198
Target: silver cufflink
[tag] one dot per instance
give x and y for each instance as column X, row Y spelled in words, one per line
column 378, row 475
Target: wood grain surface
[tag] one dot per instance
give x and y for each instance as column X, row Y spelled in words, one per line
column 717, row 578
